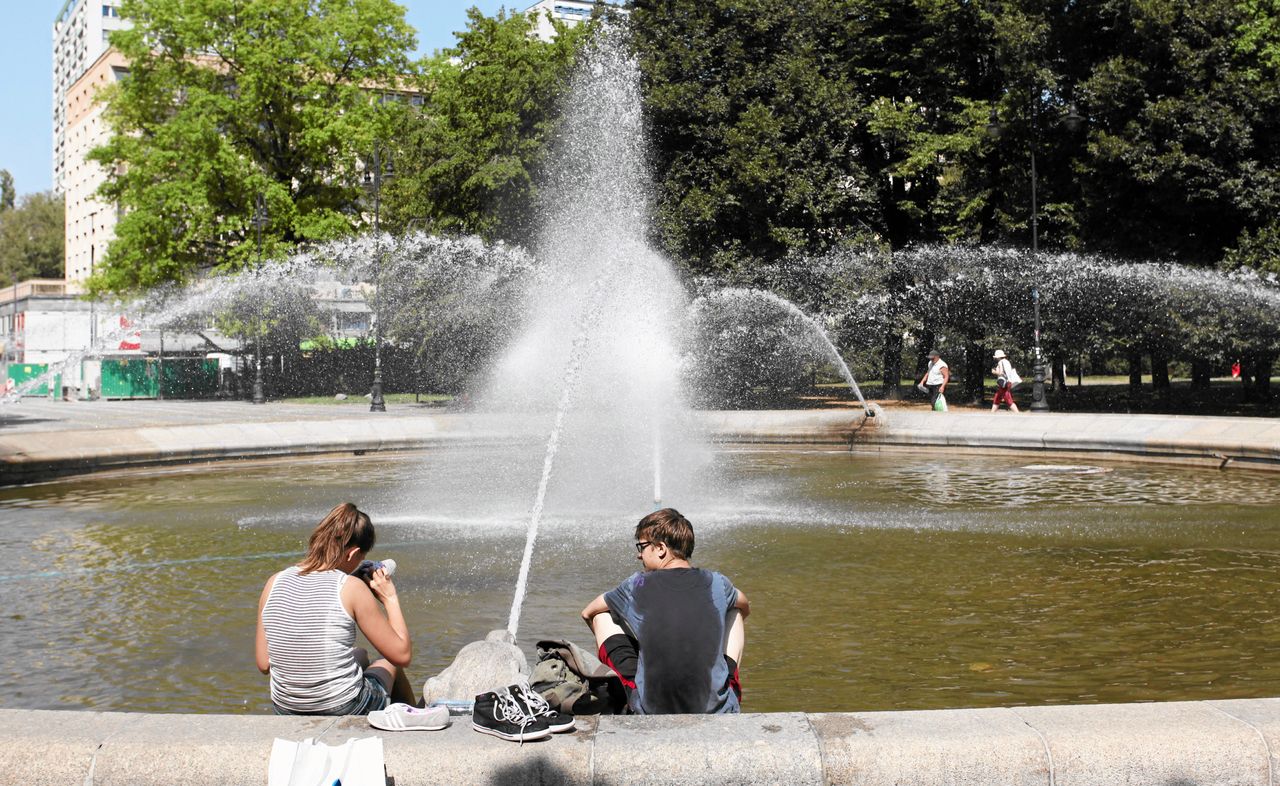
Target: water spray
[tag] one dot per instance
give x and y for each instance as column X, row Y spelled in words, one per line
column 657, row 464
column 576, row 352
column 809, row 322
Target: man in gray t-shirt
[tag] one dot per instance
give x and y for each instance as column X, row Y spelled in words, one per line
column 673, row 632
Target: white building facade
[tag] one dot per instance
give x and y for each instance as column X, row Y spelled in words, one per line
column 79, row 38
column 90, row 223
column 572, row 12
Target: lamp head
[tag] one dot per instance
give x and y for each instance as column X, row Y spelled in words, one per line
column 1072, row 119
column 995, row 129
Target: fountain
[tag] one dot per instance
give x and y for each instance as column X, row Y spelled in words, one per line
column 590, row 337
column 749, row 301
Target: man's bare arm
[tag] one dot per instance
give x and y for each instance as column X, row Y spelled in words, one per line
column 597, row 606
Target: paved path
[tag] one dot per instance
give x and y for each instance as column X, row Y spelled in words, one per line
column 42, row 414
column 40, row 439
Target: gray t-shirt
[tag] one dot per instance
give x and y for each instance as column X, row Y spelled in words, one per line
column 678, row 617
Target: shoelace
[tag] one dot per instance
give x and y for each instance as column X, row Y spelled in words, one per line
column 509, row 710
column 537, row 705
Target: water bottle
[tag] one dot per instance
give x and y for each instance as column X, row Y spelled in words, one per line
column 366, row 569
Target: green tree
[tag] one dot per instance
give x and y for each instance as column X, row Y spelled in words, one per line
column 1259, row 33
column 1184, row 135
column 754, row 123
column 7, row 192
column 1259, row 43
column 800, row 127
column 927, row 69
column 470, row 161
column 227, row 100
column 32, row 238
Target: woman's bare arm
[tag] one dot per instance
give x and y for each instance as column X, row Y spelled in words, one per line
column 260, row 653
column 384, row 625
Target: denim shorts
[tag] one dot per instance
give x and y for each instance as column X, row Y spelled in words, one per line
column 372, row 697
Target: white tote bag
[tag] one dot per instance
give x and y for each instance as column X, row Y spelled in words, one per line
column 310, row 763
column 1010, row 373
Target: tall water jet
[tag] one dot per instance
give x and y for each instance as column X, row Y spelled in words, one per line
column 600, row 325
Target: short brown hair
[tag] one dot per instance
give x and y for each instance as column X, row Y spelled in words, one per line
column 669, row 527
column 345, row 526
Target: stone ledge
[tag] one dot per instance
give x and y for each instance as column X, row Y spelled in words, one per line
column 1206, row 743
column 27, row 457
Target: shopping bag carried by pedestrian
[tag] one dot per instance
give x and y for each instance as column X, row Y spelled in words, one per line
column 940, row 405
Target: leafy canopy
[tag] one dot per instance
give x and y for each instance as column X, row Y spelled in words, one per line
column 470, row 161
column 227, row 100
column 31, row 238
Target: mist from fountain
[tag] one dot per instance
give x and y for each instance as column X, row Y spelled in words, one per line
column 749, row 303
column 602, row 325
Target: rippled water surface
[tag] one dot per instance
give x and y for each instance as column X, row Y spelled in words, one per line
column 876, row 582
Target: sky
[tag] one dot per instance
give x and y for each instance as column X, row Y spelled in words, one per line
column 26, row 80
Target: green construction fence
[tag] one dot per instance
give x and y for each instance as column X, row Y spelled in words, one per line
column 144, row 378
column 22, row 373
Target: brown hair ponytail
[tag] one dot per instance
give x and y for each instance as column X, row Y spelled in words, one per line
column 344, row 527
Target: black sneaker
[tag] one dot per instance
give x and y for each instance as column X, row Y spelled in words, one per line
column 498, row 713
column 538, row 707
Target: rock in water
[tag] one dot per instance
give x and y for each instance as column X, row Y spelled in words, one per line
column 479, row 667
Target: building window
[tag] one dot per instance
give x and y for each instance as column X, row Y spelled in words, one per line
column 111, row 11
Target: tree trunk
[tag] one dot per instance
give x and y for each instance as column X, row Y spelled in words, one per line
column 1262, row 377
column 1201, row 371
column 922, row 359
column 1135, row 371
column 1059, row 374
column 975, row 372
column 893, row 365
column 1159, row 372
column 1247, row 365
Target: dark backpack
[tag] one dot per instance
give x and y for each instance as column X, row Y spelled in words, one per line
column 573, row 680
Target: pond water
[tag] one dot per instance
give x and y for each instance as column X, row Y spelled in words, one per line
column 908, row 581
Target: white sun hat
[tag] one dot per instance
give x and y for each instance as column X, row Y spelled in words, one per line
column 999, row 354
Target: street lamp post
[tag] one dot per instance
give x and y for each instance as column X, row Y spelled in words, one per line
column 93, row 310
column 160, row 370
column 259, row 220
column 1072, row 120
column 11, row 348
column 376, row 401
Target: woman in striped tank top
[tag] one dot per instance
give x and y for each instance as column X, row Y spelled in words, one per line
column 307, row 620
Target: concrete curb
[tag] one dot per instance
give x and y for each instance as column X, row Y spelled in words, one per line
column 1240, row 442
column 1214, row 743
column 27, row 457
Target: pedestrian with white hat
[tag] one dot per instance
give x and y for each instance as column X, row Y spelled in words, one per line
column 1006, row 379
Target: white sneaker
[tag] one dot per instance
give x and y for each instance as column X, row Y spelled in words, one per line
column 402, row 717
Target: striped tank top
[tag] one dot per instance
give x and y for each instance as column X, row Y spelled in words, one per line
column 310, row 637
